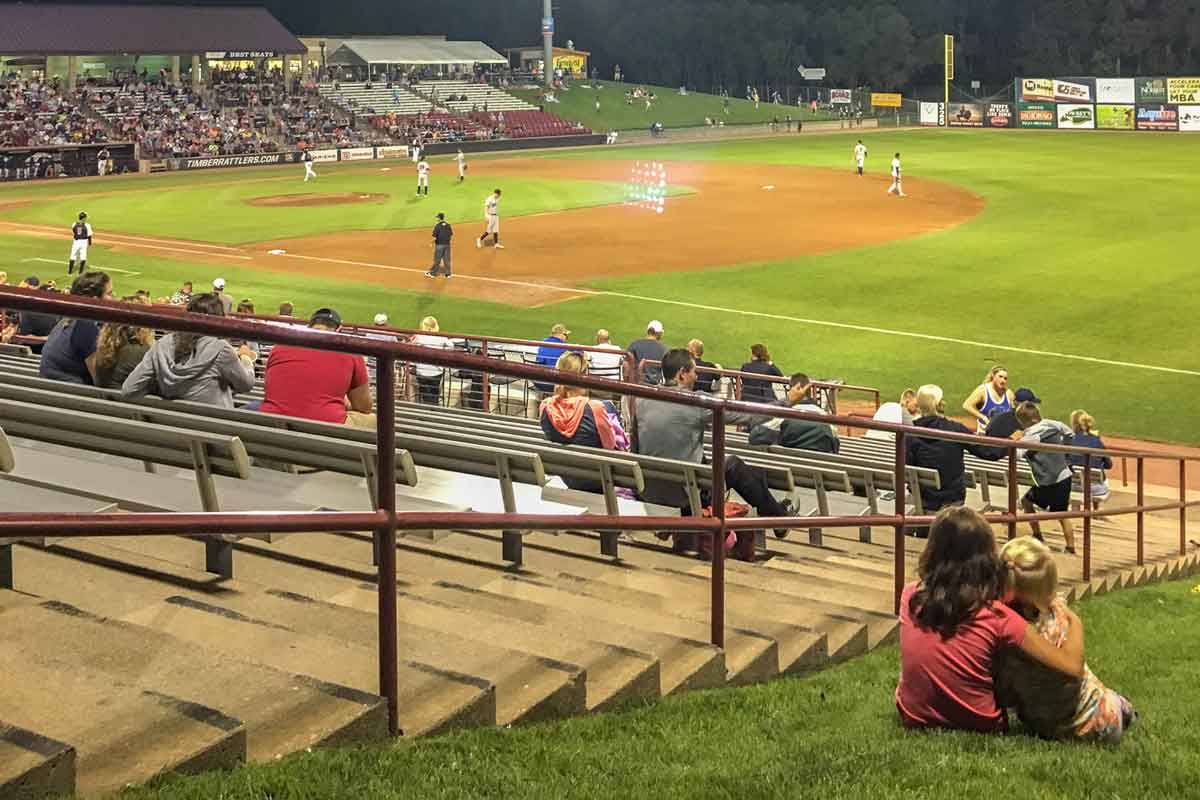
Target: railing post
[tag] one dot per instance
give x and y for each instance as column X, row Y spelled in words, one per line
column 901, row 485
column 486, row 388
column 717, row 502
column 1011, row 480
column 1182, row 507
column 1087, row 518
column 1141, row 515
column 385, row 540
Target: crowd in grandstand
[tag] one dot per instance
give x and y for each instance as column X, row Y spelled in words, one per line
column 35, row 113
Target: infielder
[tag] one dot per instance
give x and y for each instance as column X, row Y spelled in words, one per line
column 860, row 156
column 491, row 215
column 462, row 166
column 81, row 237
column 307, row 158
column 896, row 187
column 422, row 177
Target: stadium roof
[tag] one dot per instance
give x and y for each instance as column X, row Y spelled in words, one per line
column 65, row 29
column 413, row 50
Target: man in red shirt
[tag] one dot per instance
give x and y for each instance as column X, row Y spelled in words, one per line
column 319, row 384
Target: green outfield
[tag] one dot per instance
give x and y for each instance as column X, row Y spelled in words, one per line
column 1078, row 275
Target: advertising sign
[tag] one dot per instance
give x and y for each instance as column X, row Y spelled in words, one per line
column 392, row 151
column 1072, row 91
column 319, row 156
column 840, row 96
column 931, row 116
column 965, row 115
column 1157, row 118
column 1183, row 90
column 1076, row 116
column 885, row 100
column 1150, row 90
column 1000, row 115
column 254, row 160
column 1036, row 115
column 1189, row 118
column 1114, row 90
column 1035, row 88
column 572, row 63
column 357, row 153
column 239, row 55
column 1114, row 117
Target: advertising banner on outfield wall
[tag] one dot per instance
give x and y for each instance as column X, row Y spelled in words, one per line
column 1076, row 116
column 1183, row 90
column 840, row 96
column 392, row 151
column 1114, row 117
column 1001, row 115
column 885, row 100
column 249, row 160
column 1032, row 89
column 357, row 153
column 1150, row 90
column 1073, row 90
column 931, row 115
column 965, row 115
column 1189, row 118
column 321, row 156
column 1114, row 90
column 1036, row 115
column 1157, row 118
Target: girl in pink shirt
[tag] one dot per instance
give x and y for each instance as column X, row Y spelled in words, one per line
column 953, row 625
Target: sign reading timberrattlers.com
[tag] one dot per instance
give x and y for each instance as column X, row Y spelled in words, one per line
column 247, row 160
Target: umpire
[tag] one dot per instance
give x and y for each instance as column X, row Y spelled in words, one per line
column 442, row 233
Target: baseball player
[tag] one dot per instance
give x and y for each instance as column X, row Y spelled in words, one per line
column 102, row 161
column 860, row 156
column 307, row 158
column 896, row 187
column 491, row 215
column 442, row 234
column 81, row 237
column 462, row 166
column 422, row 177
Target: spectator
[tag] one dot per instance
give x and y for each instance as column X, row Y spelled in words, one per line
column 121, row 348
column 757, row 391
column 429, row 376
column 286, row 309
column 671, row 430
column 3, row 278
column 1004, row 425
column 704, row 380
column 799, row 393
column 1086, row 435
column 69, row 353
column 1051, row 471
column 548, row 353
column 990, row 399
column 902, row 413
column 247, row 307
column 606, row 365
column 569, row 417
column 226, row 300
column 182, row 295
column 35, row 327
column 318, row 384
column 196, row 367
column 944, row 456
column 650, row 348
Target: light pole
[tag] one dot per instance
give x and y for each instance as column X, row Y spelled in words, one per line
column 547, row 42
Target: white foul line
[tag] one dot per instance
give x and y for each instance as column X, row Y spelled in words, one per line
column 97, row 266
column 781, row 317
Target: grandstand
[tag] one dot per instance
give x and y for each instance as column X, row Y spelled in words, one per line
column 378, row 99
column 464, row 96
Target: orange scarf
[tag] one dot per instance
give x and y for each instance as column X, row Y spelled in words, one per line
column 566, row 413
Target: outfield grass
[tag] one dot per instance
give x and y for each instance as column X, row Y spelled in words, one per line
column 832, row 735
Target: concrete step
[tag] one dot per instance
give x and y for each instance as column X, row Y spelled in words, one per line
column 234, row 618
column 282, row 712
column 34, row 766
column 122, row 733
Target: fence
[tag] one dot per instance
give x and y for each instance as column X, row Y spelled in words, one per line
column 385, row 521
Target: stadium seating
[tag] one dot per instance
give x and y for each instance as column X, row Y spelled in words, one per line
column 357, row 98
column 477, row 96
column 530, row 124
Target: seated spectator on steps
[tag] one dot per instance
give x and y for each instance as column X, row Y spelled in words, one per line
column 429, row 376
column 319, row 385
column 183, row 295
column 650, row 348
column 671, row 430
column 1051, row 471
column 704, row 380
column 35, row 327
column 756, row 391
column 606, row 365
column 1086, row 435
column 800, row 434
column 902, row 413
column 121, row 348
column 69, row 353
column 196, row 367
column 944, row 456
column 570, row 417
column 548, row 353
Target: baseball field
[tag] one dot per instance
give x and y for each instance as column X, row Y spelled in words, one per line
column 1067, row 258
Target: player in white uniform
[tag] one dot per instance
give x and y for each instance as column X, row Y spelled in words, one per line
column 896, row 187
column 491, row 215
column 860, row 156
column 462, row 166
column 422, row 177
column 81, row 237
column 307, row 158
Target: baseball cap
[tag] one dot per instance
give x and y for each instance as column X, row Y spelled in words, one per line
column 83, row 215
column 32, row 280
column 326, row 316
column 655, row 326
column 560, row 328
column 1026, row 396
column 441, row 215
column 219, row 283
column 381, row 319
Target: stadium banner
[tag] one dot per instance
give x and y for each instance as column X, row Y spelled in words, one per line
column 1000, row 115
column 1036, row 115
column 1157, row 118
column 1114, row 117
column 840, row 96
column 239, row 55
column 932, row 115
column 392, row 151
column 1076, row 116
column 1189, row 118
column 965, row 115
column 248, row 160
column 322, row 156
column 1032, row 89
column 356, row 153
column 885, row 100
column 1183, row 90
column 1150, row 90
column 1115, row 90
column 1077, row 90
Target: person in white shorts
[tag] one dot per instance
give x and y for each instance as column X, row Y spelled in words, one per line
column 462, row 166
column 81, row 237
column 896, row 187
column 491, row 215
column 860, row 156
column 422, row 177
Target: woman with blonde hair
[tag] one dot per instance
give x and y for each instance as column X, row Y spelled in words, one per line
column 429, row 376
column 1086, row 435
column 990, row 398
column 569, row 416
column 121, row 347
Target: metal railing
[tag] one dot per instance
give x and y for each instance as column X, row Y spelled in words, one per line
column 384, row 522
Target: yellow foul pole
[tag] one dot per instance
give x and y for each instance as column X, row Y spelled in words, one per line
column 949, row 63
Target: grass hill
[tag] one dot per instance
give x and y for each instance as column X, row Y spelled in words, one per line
column 578, row 103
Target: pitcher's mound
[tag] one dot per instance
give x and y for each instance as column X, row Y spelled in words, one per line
column 315, row 199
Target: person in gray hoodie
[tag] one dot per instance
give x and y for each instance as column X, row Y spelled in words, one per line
column 1051, row 471
column 187, row 366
